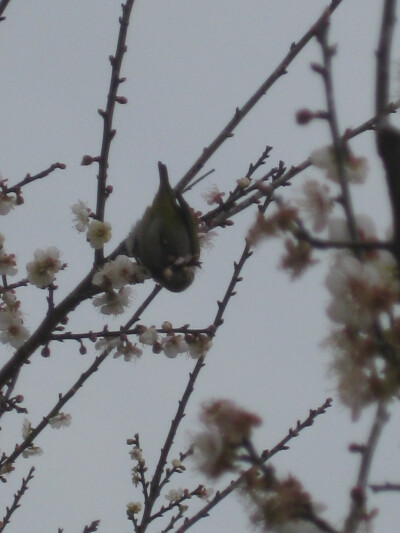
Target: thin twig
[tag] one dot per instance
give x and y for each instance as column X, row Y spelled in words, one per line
column 40, row 175
column 240, row 113
column 266, row 455
column 63, row 399
column 17, row 498
column 385, row 487
column 108, row 114
column 252, row 195
column 339, row 145
column 359, row 494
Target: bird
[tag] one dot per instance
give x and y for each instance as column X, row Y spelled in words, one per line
column 165, row 240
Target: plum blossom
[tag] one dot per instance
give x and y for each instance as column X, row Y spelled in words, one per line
column 198, row 346
column 7, row 264
column 149, row 336
column 112, row 302
column 114, row 274
column 81, row 216
column 174, row 495
column 213, row 196
column 361, row 291
column 128, row 350
column 317, row 203
column 174, row 345
column 7, row 203
column 42, row 270
column 338, row 229
column 12, row 330
column 225, row 427
column 108, row 343
column 60, row 420
column 98, row 233
column 356, row 167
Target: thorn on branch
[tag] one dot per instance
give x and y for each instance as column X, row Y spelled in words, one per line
column 319, row 69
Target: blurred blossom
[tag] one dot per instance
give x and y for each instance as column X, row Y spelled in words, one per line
column 213, row 196
column 174, row 495
column 317, row 203
column 226, row 427
column 356, row 168
column 7, row 264
column 134, row 507
column 338, row 229
column 361, row 290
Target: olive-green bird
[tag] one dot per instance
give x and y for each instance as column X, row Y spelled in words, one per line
column 165, row 239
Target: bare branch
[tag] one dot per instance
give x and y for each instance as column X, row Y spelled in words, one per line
column 108, row 114
column 240, row 113
column 17, row 498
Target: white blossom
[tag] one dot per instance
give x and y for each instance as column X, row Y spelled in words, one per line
column 361, row 290
column 134, row 507
column 338, row 229
column 7, row 264
column 149, row 336
column 32, row 450
column 317, row 203
column 81, row 216
column 98, row 233
column 174, row 495
column 12, row 330
column 108, row 343
column 26, row 428
column 113, row 303
column 60, row 420
column 115, row 273
column 356, row 168
column 6, row 203
column 199, row 346
column 174, row 345
column 42, row 270
column 128, row 350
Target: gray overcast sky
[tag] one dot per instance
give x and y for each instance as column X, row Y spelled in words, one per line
column 189, row 64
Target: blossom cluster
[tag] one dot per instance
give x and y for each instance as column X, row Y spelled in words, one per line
column 12, row 329
column 280, row 506
column 315, row 205
column 113, row 278
column 97, row 231
column 226, row 428
column 170, row 344
column 8, row 265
